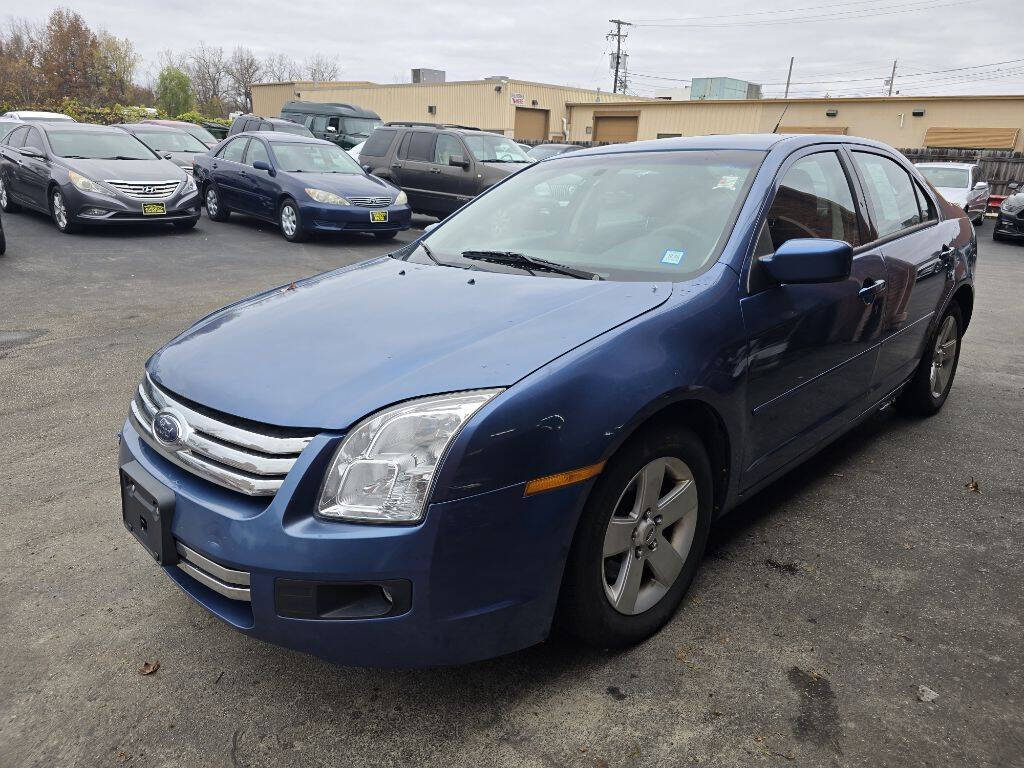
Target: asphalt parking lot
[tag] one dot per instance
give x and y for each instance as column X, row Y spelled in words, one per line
column 823, row 604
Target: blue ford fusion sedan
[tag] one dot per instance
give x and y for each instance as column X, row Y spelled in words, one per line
column 303, row 184
column 533, row 414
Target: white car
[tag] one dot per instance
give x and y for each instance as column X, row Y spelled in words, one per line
column 960, row 184
column 30, row 116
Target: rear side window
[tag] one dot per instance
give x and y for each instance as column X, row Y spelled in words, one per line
column 814, row 200
column 890, row 193
column 379, row 143
column 925, row 204
column 421, row 146
column 234, row 150
column 17, row 137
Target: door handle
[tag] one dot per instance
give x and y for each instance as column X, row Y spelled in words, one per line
column 867, row 293
column 214, row 165
column 947, row 255
column 396, row 165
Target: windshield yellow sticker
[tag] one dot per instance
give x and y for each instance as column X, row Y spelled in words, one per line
column 727, row 182
column 378, row 216
column 153, row 209
column 672, row 257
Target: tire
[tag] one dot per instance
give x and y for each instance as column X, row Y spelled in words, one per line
column 59, row 212
column 593, row 581
column 997, row 237
column 925, row 395
column 290, row 222
column 215, row 209
column 385, row 236
column 7, row 205
column 3, row 242
column 186, row 224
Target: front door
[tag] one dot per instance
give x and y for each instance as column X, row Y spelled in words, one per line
column 35, row 171
column 918, row 251
column 226, row 170
column 812, row 348
column 261, row 189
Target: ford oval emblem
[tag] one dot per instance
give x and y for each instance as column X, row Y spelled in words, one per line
column 170, row 428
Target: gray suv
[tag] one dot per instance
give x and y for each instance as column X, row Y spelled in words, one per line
column 440, row 167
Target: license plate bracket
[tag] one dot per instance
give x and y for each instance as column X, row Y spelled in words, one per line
column 147, row 508
column 154, row 209
column 379, row 217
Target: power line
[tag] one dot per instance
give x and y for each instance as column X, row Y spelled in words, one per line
column 773, row 12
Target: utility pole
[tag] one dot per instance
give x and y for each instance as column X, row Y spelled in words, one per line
column 619, row 35
column 790, row 75
column 892, row 77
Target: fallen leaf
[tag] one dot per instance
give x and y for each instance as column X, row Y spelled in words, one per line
column 583, row 749
column 149, row 668
column 291, row 287
column 926, row 694
column 972, row 486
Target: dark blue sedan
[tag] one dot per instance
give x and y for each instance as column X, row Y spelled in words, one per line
column 536, row 412
column 303, row 184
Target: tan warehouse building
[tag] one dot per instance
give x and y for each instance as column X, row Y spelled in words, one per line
column 529, row 111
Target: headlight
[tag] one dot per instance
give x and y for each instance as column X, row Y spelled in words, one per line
column 85, row 184
column 322, row 196
column 382, row 471
column 402, row 198
column 190, row 184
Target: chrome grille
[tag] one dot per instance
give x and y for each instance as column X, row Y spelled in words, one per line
column 241, row 458
column 225, row 581
column 145, row 190
column 370, row 202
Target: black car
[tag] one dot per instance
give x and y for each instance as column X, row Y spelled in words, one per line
column 1010, row 216
column 3, row 239
column 344, row 124
column 170, row 143
column 92, row 174
column 440, row 167
column 543, row 151
column 256, row 123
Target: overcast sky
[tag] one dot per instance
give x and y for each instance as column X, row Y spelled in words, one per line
column 560, row 42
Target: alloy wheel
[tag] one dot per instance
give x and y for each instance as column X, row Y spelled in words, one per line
column 289, row 220
column 60, row 211
column 212, row 204
column 3, row 194
column 943, row 356
column 649, row 535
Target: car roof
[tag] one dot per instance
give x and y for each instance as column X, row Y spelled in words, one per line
column 328, row 108
column 281, row 137
column 78, row 127
column 762, row 142
column 150, row 127
column 943, row 164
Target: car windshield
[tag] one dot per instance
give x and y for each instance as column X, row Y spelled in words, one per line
column 360, row 126
column 542, row 151
column 314, row 158
column 91, row 145
column 171, row 141
column 201, row 133
column 285, row 126
column 626, row 216
column 956, row 178
column 488, row 148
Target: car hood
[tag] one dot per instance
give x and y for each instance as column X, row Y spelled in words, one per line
column 343, row 183
column 505, row 169
column 955, row 195
column 126, row 170
column 327, row 351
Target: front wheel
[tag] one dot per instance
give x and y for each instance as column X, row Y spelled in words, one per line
column 6, row 204
column 927, row 391
column 215, row 209
column 290, row 222
column 59, row 212
column 640, row 539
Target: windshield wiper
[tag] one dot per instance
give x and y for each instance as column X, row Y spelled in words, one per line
column 529, row 263
column 125, row 157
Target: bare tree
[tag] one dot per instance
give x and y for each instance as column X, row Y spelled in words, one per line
column 321, row 68
column 207, row 68
column 244, row 69
column 278, row 68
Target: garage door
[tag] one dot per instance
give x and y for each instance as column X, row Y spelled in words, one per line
column 531, row 124
column 615, row 130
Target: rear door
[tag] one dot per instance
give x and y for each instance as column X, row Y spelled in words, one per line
column 415, row 171
column 813, row 347
column 918, row 251
column 226, row 170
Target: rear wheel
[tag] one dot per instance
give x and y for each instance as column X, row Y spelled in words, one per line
column 639, row 541
column 215, row 209
column 59, row 212
column 927, row 391
column 290, row 222
column 6, row 204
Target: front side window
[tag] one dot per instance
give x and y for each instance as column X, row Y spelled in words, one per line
column 447, row 146
column 314, row 158
column 629, row 216
column 890, row 193
column 98, row 145
column 814, row 200
column 233, row 150
column 319, row 124
column 488, row 148
column 35, row 140
column 256, row 151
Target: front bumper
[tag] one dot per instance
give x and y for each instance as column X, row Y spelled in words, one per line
column 96, row 208
column 1009, row 225
column 483, row 572
column 334, row 218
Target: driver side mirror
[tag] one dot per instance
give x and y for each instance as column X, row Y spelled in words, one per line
column 263, row 165
column 1013, row 185
column 809, row 260
column 331, row 129
column 32, row 152
column 459, row 161
column 981, row 185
